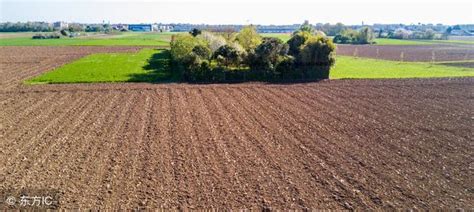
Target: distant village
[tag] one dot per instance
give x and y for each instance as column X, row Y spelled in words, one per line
column 401, row 31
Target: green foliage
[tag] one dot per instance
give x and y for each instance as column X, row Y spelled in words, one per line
column 64, row 32
column 332, row 30
column 306, row 27
column 349, row 36
column 307, row 55
column 202, row 51
column 46, row 36
column 195, row 32
column 248, row 38
column 318, row 51
column 227, row 55
column 268, row 54
column 365, row 36
column 183, row 45
column 213, row 41
column 296, row 41
column 25, row 27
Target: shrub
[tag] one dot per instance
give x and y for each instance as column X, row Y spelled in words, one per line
column 195, row 32
column 214, row 41
column 267, row 54
column 248, row 38
column 227, row 55
column 64, row 32
column 349, row 36
column 318, row 51
column 365, row 36
column 183, row 45
column 295, row 42
column 202, row 51
column 43, row 36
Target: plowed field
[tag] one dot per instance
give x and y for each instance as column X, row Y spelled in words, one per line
column 340, row 144
column 423, row 53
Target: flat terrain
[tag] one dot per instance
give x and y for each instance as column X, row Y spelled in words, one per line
column 147, row 65
column 413, row 53
column 337, row 144
column 90, row 39
column 366, row 68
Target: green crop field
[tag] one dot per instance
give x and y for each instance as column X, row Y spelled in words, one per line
column 283, row 36
column 147, row 65
column 119, row 39
column 150, row 65
column 363, row 68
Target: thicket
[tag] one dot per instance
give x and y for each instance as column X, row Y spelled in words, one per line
column 246, row 56
column 349, row 36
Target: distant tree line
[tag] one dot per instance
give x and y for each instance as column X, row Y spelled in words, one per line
column 26, row 27
column 364, row 35
column 203, row 56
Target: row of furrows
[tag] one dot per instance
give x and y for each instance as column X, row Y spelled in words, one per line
column 195, row 147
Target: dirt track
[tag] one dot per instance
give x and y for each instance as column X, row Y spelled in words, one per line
column 338, row 144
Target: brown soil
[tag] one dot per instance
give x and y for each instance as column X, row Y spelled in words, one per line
column 358, row 144
column 411, row 53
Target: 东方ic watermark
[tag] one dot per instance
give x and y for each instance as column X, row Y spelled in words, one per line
column 29, row 198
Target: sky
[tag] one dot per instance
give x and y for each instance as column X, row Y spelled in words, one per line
column 240, row 11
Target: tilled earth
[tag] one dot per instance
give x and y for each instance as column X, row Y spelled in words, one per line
column 413, row 53
column 359, row 144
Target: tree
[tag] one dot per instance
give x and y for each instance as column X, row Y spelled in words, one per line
column 365, row 36
column 318, row 51
column 183, row 45
column 306, row 27
column 226, row 55
column 214, row 41
column 249, row 38
column 296, row 41
column 195, row 32
column 268, row 54
column 202, row 51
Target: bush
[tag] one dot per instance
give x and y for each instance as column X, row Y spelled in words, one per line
column 183, row 45
column 202, row 51
column 213, row 41
column 227, row 55
column 296, row 41
column 43, row 36
column 195, row 32
column 249, row 38
column 306, row 55
column 64, row 32
column 266, row 55
column 363, row 36
column 318, row 51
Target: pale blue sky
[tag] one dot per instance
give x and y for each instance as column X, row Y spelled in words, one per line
column 240, row 12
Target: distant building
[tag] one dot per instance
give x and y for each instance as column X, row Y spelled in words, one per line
column 165, row 28
column 60, row 25
column 140, row 27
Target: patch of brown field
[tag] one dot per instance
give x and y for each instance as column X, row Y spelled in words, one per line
column 422, row 53
column 343, row 144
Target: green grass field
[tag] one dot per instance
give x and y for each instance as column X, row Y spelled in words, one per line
column 364, row 68
column 147, row 65
column 150, row 65
column 119, row 39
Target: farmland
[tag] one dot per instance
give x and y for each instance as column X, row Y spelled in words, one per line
column 116, row 39
column 150, row 65
column 339, row 144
